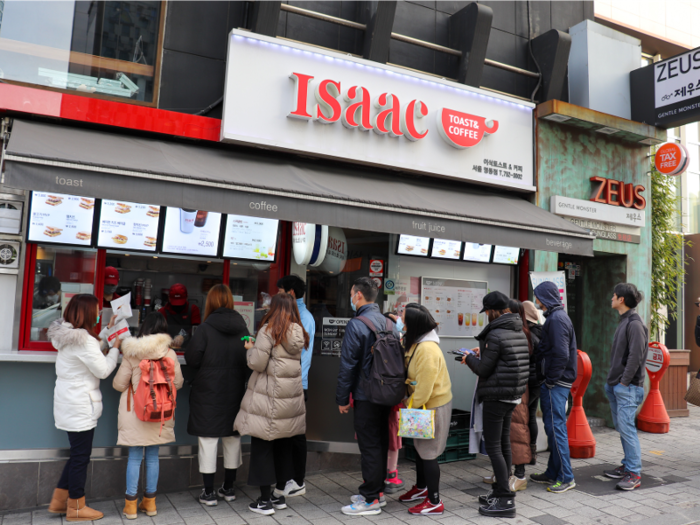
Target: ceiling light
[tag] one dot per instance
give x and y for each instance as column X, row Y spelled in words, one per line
column 607, row 131
column 557, row 118
column 650, row 142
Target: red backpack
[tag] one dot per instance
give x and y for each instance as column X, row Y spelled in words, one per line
column 155, row 395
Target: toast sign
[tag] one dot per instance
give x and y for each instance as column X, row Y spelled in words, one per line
column 316, row 102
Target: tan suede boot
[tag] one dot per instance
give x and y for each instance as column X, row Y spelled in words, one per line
column 59, row 501
column 130, row 509
column 148, row 505
column 78, row 511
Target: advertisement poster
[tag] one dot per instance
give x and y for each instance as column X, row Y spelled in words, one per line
column 332, row 335
column 191, row 232
column 455, row 305
column 250, row 238
column 128, row 226
column 444, row 249
column 59, row 218
column 558, row 278
column 410, row 245
column 247, row 311
column 477, row 252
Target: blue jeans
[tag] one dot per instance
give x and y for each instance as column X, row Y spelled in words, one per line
column 624, row 401
column 553, row 403
column 133, row 469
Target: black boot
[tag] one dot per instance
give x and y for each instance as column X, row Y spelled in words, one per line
column 499, row 508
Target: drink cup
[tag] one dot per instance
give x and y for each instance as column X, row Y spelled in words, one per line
column 201, row 219
column 467, row 319
column 460, row 319
column 187, row 218
column 473, row 319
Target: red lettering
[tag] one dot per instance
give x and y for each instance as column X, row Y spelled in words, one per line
column 639, row 201
column 301, row 92
column 626, row 195
column 602, row 184
column 363, row 106
column 415, row 110
column 388, row 120
column 610, row 193
column 328, row 108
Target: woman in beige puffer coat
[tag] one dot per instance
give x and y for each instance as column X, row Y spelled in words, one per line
column 273, row 409
column 152, row 343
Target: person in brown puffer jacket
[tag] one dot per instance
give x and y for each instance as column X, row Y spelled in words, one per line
column 273, row 409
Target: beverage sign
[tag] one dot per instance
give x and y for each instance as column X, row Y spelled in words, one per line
column 671, row 158
column 444, row 249
column 191, row 232
column 324, row 103
column 411, row 245
column 60, row 218
column 128, row 226
column 250, row 238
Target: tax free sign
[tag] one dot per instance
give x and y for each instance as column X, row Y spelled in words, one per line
column 301, row 99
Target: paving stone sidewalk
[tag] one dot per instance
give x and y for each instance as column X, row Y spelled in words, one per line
column 674, row 457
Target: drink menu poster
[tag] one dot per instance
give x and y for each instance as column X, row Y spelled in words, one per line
column 444, row 249
column 250, row 238
column 191, row 232
column 506, row 255
column 477, row 252
column 455, row 304
column 411, row 245
column 128, row 226
column 59, row 218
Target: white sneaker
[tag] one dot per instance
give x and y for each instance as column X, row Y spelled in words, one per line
column 291, row 489
column 362, row 508
column 358, row 498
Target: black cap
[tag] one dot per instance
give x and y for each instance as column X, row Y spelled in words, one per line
column 495, row 301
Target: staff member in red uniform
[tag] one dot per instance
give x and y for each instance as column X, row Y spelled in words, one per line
column 111, row 282
column 181, row 315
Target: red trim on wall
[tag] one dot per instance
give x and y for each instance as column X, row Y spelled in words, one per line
column 25, row 320
column 101, row 263
column 31, row 101
column 524, row 277
column 226, row 278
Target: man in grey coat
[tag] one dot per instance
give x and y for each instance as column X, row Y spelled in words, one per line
column 625, row 384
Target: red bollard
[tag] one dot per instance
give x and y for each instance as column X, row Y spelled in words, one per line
column 581, row 440
column 653, row 416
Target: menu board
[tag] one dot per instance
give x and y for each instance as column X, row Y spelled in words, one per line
column 59, row 218
column 191, row 232
column 477, row 252
column 506, row 255
column 250, row 238
column 444, row 249
column 128, row 226
column 455, row 305
column 410, row 245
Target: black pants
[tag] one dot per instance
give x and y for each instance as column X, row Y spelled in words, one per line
column 270, row 462
column 75, row 471
column 534, row 393
column 372, row 430
column 428, row 476
column 497, row 415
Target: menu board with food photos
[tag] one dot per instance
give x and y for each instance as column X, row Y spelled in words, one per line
column 191, row 232
column 506, row 255
column 59, row 218
column 455, row 304
column 477, row 252
column 250, row 238
column 411, row 245
column 444, row 249
column 128, row 226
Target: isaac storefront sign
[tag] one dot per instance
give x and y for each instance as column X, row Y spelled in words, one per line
column 298, row 98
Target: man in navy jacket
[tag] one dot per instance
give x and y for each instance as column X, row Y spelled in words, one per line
column 371, row 420
column 556, row 371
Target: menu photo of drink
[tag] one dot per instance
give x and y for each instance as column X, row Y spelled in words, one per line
column 128, row 226
column 455, row 304
column 191, row 232
column 62, row 219
column 250, row 238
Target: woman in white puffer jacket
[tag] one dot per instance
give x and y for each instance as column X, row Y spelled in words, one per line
column 77, row 401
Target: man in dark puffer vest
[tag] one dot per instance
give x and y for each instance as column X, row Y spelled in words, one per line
column 556, row 369
column 503, row 372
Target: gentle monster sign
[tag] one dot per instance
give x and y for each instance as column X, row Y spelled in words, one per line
column 298, row 98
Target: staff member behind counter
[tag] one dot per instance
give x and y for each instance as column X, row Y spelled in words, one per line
column 181, row 315
column 111, row 282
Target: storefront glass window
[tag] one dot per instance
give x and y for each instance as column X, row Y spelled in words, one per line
column 693, row 176
column 102, row 48
column 59, row 274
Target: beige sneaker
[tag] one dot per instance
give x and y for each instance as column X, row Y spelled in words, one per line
column 516, row 484
column 490, row 480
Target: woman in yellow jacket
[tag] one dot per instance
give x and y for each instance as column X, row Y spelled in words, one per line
column 428, row 385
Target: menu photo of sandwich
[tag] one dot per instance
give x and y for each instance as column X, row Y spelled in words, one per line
column 122, row 208
column 87, row 204
column 83, row 236
column 153, row 211
column 150, row 242
column 120, row 239
column 424, row 250
column 50, row 231
column 53, row 200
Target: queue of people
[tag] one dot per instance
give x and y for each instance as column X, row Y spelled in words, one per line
column 257, row 386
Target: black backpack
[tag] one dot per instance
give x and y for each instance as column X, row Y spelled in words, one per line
column 385, row 384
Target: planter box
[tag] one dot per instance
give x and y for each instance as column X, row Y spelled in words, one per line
column 674, row 384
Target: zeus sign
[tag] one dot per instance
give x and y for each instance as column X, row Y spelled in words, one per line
column 297, row 98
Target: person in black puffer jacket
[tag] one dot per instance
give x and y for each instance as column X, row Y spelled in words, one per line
column 503, row 370
column 218, row 356
column 533, row 385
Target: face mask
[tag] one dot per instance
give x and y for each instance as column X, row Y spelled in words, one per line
column 52, row 299
column 399, row 324
column 352, row 305
column 538, row 305
column 109, row 290
column 98, row 321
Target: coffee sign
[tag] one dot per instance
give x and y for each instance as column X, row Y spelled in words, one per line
column 307, row 100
